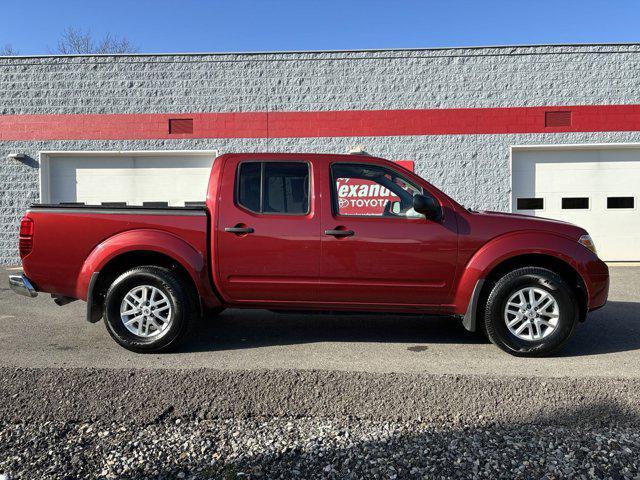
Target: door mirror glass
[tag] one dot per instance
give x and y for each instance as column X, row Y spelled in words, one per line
column 427, row 206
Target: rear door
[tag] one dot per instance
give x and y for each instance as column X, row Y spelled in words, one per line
column 376, row 250
column 268, row 231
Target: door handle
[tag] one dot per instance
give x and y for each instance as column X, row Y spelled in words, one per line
column 340, row 233
column 239, row 230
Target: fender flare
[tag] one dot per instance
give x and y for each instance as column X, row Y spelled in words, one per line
column 499, row 250
column 193, row 261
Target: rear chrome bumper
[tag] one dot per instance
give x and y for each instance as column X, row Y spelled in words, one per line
column 22, row 286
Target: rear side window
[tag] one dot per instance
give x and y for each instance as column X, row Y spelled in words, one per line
column 273, row 187
column 248, row 185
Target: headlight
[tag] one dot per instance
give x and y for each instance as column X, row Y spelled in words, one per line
column 586, row 241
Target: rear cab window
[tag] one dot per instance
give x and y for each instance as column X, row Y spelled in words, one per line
column 276, row 188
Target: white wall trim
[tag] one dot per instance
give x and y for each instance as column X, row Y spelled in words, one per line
column 154, row 153
column 576, row 146
column 45, row 156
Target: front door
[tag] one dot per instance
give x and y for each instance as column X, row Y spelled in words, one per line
column 268, row 232
column 376, row 250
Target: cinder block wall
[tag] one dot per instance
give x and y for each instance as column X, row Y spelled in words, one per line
column 474, row 169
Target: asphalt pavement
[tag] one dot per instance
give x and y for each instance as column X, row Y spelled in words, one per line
column 36, row 333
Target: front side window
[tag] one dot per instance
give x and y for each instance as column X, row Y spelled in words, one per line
column 273, row 187
column 373, row 191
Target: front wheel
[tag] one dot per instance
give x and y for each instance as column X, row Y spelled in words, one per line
column 148, row 309
column 530, row 311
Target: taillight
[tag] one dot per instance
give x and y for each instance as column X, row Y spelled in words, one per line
column 26, row 236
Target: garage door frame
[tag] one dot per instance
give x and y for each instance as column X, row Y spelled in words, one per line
column 560, row 146
column 45, row 158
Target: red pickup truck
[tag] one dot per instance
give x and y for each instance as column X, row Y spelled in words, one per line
column 292, row 232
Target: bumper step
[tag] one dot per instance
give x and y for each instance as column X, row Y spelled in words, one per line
column 22, row 286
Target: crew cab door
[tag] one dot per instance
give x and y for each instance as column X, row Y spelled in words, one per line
column 376, row 250
column 268, row 231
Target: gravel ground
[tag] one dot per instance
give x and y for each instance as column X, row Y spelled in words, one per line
column 135, row 424
column 314, row 448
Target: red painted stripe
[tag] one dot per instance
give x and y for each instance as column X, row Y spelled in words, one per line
column 356, row 123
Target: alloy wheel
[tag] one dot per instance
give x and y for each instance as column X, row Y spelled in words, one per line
column 531, row 314
column 146, row 311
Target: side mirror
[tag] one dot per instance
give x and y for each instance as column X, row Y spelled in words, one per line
column 427, row 206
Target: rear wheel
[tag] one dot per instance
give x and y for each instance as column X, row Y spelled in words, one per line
column 148, row 309
column 530, row 311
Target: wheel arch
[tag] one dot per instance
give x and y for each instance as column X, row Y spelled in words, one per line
column 137, row 248
column 500, row 256
column 126, row 261
column 568, row 273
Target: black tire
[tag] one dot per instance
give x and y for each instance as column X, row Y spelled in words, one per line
column 494, row 323
column 182, row 301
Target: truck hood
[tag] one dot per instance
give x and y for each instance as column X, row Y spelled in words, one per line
column 516, row 221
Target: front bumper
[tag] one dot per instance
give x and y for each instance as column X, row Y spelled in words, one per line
column 598, row 284
column 599, row 291
column 22, row 286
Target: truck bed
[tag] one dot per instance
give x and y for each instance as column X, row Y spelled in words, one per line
column 66, row 235
column 110, row 208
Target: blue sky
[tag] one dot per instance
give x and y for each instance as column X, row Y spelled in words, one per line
column 33, row 26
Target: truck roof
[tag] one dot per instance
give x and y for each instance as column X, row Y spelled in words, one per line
column 317, row 156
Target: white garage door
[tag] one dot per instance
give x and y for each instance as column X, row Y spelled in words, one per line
column 595, row 188
column 131, row 178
